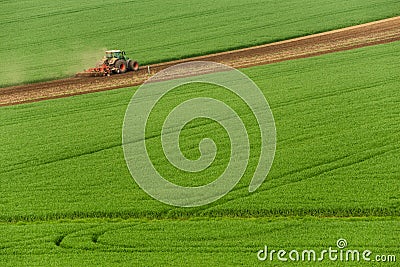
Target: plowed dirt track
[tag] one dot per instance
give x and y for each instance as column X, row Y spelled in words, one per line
column 373, row 33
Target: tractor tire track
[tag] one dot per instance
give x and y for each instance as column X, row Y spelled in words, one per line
column 378, row 32
column 311, row 172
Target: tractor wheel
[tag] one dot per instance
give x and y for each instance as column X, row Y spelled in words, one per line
column 121, row 66
column 133, row 65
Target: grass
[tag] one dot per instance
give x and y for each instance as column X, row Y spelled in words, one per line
column 337, row 122
column 338, row 135
column 199, row 242
column 46, row 40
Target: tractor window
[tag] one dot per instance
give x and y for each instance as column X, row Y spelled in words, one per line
column 109, row 55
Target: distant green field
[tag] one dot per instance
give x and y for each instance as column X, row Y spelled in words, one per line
column 338, row 129
column 46, row 39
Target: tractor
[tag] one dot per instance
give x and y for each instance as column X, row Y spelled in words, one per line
column 114, row 61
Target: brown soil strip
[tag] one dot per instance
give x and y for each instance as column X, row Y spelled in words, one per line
column 379, row 32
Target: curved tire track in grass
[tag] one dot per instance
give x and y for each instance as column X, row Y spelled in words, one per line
column 312, row 172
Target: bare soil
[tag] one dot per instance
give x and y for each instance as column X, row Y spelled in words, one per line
column 379, row 32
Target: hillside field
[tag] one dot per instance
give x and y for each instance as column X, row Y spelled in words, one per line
column 68, row 198
column 43, row 40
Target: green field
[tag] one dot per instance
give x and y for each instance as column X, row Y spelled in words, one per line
column 68, row 198
column 44, row 39
column 200, row 242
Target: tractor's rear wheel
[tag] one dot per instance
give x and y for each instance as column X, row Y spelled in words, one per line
column 133, row 65
column 121, row 66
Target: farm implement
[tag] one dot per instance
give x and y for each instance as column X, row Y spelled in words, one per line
column 114, row 62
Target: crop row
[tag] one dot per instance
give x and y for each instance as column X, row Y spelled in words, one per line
column 200, row 242
column 338, row 140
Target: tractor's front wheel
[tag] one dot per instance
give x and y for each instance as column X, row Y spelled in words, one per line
column 121, row 66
